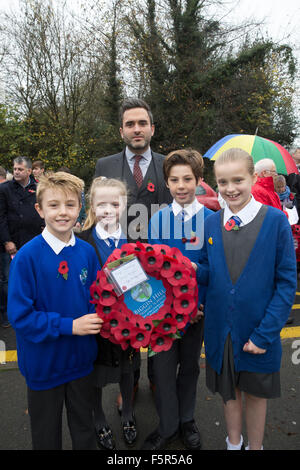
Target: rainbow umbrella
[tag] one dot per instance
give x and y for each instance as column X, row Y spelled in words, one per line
column 258, row 148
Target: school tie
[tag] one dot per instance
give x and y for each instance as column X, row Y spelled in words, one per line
column 111, row 242
column 183, row 213
column 236, row 219
column 233, row 223
column 137, row 172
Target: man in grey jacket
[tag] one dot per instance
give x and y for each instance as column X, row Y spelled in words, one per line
column 139, row 167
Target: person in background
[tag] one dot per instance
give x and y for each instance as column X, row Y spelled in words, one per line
column 286, row 197
column 19, row 221
column 4, row 271
column 38, row 169
column 263, row 190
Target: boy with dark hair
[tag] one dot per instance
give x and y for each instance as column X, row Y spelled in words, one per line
column 49, row 307
column 180, row 225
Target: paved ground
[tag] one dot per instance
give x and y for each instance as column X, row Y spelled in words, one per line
column 283, row 421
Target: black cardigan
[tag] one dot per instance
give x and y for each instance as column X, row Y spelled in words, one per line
column 109, row 354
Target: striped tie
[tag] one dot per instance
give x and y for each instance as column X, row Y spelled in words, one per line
column 111, row 242
column 137, row 172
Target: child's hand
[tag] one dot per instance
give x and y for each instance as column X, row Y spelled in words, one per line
column 89, row 324
column 195, row 266
column 198, row 315
column 252, row 349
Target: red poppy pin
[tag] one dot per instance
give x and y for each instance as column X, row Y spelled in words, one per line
column 231, row 225
column 63, row 269
column 150, row 187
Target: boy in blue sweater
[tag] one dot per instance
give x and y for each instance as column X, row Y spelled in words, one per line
column 49, row 307
column 181, row 225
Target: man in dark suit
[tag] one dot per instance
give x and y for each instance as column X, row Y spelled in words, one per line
column 139, row 167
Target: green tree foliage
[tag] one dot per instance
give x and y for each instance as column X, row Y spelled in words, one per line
column 67, row 74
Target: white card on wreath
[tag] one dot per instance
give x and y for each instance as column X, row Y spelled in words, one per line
column 128, row 275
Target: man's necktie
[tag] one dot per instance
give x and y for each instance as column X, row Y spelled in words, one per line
column 137, row 172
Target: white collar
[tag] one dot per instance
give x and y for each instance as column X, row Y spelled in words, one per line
column 55, row 243
column 147, row 154
column 104, row 235
column 190, row 209
column 246, row 215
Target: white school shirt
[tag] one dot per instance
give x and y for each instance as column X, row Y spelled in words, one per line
column 247, row 214
column 55, row 243
column 104, row 235
column 190, row 209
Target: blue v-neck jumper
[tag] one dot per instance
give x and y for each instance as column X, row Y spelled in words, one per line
column 42, row 306
column 258, row 304
column 167, row 229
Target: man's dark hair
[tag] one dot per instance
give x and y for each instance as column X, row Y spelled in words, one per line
column 131, row 103
column 24, row 160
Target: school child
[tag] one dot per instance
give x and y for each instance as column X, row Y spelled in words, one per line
column 49, row 307
column 250, row 273
column 180, row 225
column 108, row 198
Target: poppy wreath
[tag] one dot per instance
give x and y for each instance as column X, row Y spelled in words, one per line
column 159, row 330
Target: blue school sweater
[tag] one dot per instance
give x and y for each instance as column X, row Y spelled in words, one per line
column 167, row 229
column 42, row 306
column 257, row 306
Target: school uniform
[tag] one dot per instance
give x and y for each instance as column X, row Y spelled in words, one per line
column 113, row 365
column 175, row 393
column 56, row 364
column 251, row 281
column 111, row 360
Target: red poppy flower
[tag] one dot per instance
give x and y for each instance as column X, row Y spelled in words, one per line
column 140, row 337
column 144, row 323
column 103, row 311
column 181, row 320
column 95, row 291
column 162, row 312
column 230, row 224
column 160, row 342
column 122, row 331
column 188, row 288
column 184, row 304
column 105, row 283
column 151, row 187
column 167, row 326
column 63, row 269
column 176, row 254
column 168, row 267
column 105, row 331
column 107, row 298
column 151, row 260
column 180, row 276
